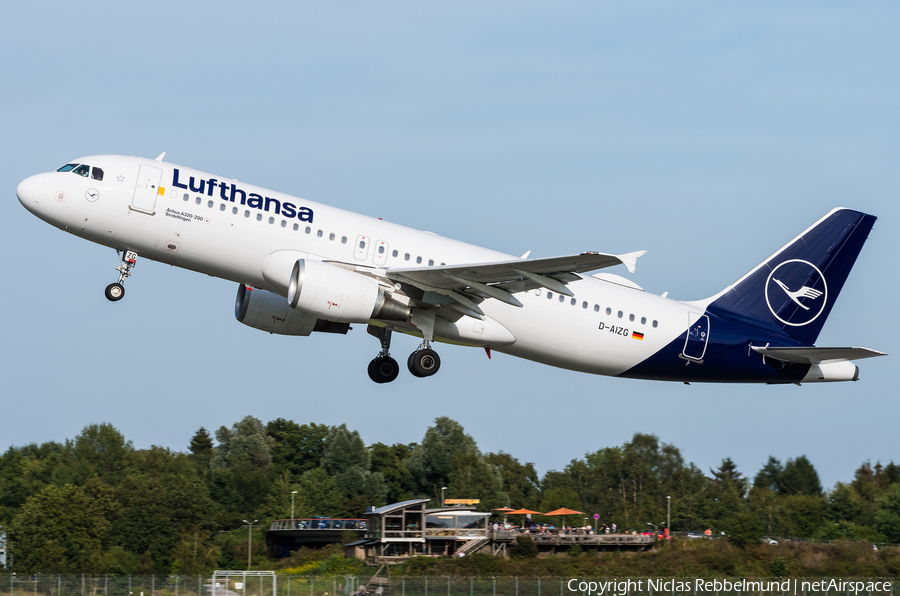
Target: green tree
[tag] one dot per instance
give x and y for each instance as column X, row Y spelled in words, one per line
column 744, row 529
column 99, row 450
column 472, row 477
column 390, row 462
column 769, row 477
column 799, row 477
column 244, row 441
column 195, row 554
column 887, row 516
column 64, row 529
column 347, row 460
column 297, row 448
column 520, row 482
column 429, row 462
column 318, row 494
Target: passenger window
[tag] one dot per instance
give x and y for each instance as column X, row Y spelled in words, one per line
column 68, row 167
column 549, row 295
column 631, row 317
column 418, row 260
column 596, row 308
column 654, row 323
column 331, row 236
column 608, row 310
column 296, row 227
column 246, row 213
column 97, row 174
column 234, row 210
column 82, row 170
column 381, row 249
column 584, row 305
column 186, row 198
column 271, row 220
column 572, row 302
column 562, row 298
column 197, row 201
column 209, row 204
column 406, row 257
column 394, row 253
column 319, row 233
column 643, row 320
column 620, row 314
column 283, row 223
column 431, row 262
column 344, row 241
column 222, row 207
column 259, row 217
column 308, row 229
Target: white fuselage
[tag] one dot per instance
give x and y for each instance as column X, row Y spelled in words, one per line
column 208, row 230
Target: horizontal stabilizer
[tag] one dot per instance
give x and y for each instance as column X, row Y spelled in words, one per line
column 813, row 355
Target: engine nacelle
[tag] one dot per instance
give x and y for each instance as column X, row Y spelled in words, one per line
column 335, row 294
column 270, row 312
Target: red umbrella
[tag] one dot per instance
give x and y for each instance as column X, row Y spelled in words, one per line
column 564, row 512
column 524, row 512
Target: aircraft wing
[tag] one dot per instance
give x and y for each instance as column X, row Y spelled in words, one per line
column 468, row 285
column 813, row 355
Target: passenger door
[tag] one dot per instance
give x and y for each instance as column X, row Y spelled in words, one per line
column 146, row 190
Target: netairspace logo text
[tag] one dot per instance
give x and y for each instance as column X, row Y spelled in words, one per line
column 670, row 586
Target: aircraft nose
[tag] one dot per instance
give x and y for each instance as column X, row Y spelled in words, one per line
column 30, row 192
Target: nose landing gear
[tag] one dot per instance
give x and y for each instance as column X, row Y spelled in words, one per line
column 116, row 291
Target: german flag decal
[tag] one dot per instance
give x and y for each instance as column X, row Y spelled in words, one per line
column 636, row 335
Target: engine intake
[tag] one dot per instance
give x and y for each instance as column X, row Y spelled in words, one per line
column 336, row 294
column 270, row 312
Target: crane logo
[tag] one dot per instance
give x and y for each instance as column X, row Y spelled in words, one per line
column 796, row 292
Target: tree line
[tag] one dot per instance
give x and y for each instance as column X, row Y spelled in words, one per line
column 95, row 504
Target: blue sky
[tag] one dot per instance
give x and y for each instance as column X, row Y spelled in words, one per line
column 706, row 133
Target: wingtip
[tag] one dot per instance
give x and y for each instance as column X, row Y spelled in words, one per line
column 630, row 259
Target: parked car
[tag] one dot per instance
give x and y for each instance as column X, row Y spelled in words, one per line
column 768, row 540
column 693, row 535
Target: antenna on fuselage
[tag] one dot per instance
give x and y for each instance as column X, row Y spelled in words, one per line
column 161, row 155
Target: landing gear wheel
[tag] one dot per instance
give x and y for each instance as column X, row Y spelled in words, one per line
column 383, row 369
column 424, row 363
column 115, row 292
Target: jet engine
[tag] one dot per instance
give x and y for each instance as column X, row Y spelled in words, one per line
column 270, row 312
column 335, row 294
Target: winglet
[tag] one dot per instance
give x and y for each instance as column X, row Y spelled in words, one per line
column 525, row 256
column 161, row 155
column 630, row 259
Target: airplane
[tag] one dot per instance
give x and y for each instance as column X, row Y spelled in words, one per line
column 304, row 267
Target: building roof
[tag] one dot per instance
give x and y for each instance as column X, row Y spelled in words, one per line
column 393, row 506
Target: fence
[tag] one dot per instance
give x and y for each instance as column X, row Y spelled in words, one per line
column 292, row 585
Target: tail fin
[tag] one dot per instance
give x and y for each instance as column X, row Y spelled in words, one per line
column 796, row 287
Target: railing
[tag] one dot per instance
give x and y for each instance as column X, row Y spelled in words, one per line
column 318, row 524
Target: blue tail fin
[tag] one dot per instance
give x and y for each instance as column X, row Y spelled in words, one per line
column 795, row 288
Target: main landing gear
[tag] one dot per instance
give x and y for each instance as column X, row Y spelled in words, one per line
column 383, row 368
column 116, row 291
column 424, row 362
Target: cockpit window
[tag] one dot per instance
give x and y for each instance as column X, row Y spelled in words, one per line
column 68, row 167
column 82, row 170
column 97, row 174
